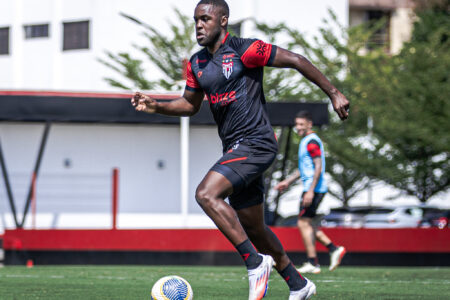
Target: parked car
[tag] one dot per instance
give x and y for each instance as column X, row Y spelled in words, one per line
column 436, row 218
column 351, row 217
column 394, row 217
column 291, row 221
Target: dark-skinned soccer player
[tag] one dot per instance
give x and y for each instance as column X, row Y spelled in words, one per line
column 229, row 71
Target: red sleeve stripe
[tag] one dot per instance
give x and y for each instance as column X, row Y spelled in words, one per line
column 257, row 55
column 191, row 81
column 314, row 150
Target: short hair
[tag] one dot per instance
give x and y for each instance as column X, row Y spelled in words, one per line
column 220, row 4
column 304, row 114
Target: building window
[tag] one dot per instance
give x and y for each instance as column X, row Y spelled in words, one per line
column 4, row 40
column 36, row 31
column 76, row 35
column 381, row 37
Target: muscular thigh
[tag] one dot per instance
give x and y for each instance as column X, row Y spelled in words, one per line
column 216, row 185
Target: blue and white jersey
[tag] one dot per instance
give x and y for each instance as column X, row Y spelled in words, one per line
column 310, row 147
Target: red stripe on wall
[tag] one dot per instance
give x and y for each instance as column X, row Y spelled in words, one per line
column 423, row 240
column 158, row 239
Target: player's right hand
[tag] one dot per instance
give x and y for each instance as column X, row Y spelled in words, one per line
column 307, row 198
column 143, row 103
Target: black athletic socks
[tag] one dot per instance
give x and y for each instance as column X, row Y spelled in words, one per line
column 293, row 278
column 331, row 247
column 313, row 260
column 249, row 254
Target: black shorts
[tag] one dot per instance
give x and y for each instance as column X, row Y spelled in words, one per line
column 310, row 211
column 243, row 165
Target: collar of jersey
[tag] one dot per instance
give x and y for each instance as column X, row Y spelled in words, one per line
column 225, row 38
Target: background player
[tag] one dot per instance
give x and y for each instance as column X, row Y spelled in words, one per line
column 229, row 71
column 311, row 168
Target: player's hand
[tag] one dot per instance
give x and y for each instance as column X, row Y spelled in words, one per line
column 281, row 186
column 307, row 198
column 143, row 103
column 341, row 105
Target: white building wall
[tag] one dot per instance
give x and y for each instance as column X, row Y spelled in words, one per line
column 401, row 28
column 74, row 186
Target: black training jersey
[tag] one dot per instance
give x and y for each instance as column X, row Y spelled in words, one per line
column 232, row 80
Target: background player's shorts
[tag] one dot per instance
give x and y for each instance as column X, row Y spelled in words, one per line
column 310, row 211
column 243, row 165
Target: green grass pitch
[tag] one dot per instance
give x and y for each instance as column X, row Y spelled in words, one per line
column 211, row 283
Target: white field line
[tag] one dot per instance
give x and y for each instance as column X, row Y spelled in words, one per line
column 382, row 281
column 425, row 282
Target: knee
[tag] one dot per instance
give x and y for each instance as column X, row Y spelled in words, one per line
column 204, row 197
column 302, row 223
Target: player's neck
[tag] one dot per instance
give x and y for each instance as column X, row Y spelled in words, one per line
column 219, row 42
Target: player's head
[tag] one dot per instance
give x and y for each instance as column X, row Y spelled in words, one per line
column 303, row 122
column 211, row 18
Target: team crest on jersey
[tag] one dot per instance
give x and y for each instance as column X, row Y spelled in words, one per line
column 227, row 67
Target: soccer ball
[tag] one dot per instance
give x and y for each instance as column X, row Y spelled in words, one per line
column 172, row 288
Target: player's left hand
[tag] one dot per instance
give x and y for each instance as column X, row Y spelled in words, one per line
column 307, row 198
column 341, row 105
column 281, row 186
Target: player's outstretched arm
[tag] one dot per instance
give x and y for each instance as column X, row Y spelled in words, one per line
column 287, row 59
column 187, row 105
column 284, row 184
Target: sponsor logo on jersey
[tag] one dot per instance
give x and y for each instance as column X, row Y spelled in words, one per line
column 227, row 65
column 222, row 99
column 199, row 74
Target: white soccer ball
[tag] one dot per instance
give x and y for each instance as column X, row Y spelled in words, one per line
column 172, row 288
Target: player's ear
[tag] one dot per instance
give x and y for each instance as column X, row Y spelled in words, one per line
column 224, row 21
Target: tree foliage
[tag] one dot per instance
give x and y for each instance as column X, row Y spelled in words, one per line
column 405, row 95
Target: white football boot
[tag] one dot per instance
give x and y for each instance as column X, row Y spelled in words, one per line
column 308, row 267
column 336, row 257
column 259, row 278
column 305, row 293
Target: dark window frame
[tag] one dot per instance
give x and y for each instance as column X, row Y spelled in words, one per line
column 33, row 31
column 76, row 35
column 381, row 38
column 4, row 40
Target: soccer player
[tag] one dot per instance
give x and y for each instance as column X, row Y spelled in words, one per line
column 229, row 71
column 311, row 169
